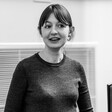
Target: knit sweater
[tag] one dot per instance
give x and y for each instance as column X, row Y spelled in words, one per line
column 40, row 86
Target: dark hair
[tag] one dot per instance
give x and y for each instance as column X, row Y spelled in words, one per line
column 59, row 11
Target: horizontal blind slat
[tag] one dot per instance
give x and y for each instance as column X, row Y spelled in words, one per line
column 8, row 61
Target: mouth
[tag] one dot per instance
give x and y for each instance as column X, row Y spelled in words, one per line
column 54, row 39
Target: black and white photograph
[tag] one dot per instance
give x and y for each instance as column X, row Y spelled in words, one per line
column 55, row 56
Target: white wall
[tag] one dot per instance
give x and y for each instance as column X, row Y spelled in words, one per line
column 98, row 27
column 93, row 22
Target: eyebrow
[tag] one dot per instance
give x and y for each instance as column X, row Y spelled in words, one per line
column 47, row 21
column 50, row 22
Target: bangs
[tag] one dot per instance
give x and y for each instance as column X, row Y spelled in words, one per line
column 45, row 15
column 62, row 15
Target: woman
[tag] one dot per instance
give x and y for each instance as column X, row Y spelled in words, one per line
column 49, row 81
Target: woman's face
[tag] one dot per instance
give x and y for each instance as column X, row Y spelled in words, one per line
column 54, row 33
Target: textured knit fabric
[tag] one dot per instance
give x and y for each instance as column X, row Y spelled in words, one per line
column 39, row 86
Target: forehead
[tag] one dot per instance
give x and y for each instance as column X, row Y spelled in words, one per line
column 52, row 19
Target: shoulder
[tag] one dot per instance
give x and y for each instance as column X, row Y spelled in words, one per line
column 29, row 59
column 74, row 63
column 27, row 62
column 76, row 66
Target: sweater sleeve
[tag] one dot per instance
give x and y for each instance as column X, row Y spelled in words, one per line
column 14, row 101
column 84, row 101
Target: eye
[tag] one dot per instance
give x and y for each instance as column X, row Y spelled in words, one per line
column 47, row 26
column 60, row 25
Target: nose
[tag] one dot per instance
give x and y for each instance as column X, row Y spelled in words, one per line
column 53, row 31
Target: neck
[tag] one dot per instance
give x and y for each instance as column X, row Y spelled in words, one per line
column 52, row 55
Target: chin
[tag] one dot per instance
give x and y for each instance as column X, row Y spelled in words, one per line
column 55, row 46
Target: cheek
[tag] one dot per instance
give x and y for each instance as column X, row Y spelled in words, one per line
column 44, row 33
column 64, row 33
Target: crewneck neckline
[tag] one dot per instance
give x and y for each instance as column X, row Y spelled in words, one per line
column 49, row 63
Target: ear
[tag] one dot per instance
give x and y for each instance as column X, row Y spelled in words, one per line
column 71, row 33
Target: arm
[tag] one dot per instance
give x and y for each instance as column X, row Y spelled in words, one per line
column 84, row 101
column 16, row 91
